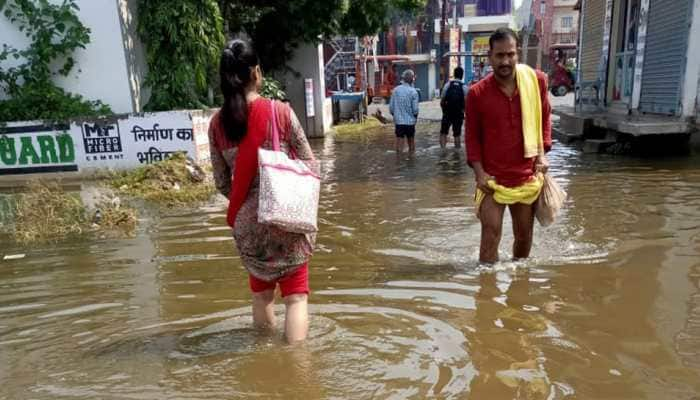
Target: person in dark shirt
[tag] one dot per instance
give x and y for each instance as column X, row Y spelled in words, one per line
column 452, row 102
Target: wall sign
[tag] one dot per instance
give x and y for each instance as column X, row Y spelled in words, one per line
column 101, row 141
column 31, row 149
column 309, row 97
column 121, row 143
column 157, row 137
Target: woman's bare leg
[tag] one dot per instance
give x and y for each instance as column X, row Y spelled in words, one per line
column 297, row 317
column 264, row 309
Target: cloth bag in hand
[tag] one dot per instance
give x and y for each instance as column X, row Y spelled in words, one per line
column 289, row 189
column 551, row 199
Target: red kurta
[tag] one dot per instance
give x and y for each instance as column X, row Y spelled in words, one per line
column 494, row 131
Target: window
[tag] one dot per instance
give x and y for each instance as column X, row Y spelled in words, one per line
column 543, row 7
column 567, row 22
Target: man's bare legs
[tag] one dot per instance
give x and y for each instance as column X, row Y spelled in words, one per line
column 400, row 145
column 411, row 145
column 523, row 216
column 491, row 216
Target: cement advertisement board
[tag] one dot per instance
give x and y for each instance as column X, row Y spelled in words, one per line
column 124, row 142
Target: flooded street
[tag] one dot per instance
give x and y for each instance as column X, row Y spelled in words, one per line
column 608, row 307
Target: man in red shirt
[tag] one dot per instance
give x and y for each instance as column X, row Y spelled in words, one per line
column 494, row 142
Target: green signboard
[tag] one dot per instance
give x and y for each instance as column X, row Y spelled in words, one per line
column 36, row 149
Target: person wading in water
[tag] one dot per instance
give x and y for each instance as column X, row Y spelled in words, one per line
column 271, row 255
column 404, row 107
column 508, row 132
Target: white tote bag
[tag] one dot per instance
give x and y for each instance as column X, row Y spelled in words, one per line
column 289, row 189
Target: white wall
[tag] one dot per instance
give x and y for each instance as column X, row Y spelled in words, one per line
column 473, row 24
column 560, row 12
column 697, row 102
column 100, row 72
column 308, row 62
column 522, row 14
column 692, row 69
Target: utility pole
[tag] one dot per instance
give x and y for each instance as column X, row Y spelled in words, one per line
column 526, row 45
column 459, row 4
column 539, row 52
column 529, row 28
column 454, row 17
column 443, row 36
column 544, row 9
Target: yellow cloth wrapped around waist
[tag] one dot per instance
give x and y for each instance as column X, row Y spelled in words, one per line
column 527, row 193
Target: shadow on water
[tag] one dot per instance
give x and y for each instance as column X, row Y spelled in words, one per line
column 607, row 307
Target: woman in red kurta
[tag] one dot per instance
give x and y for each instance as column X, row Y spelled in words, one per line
column 271, row 256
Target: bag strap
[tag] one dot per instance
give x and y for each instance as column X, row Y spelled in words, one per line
column 275, row 132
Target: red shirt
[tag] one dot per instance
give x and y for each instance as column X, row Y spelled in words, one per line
column 494, row 131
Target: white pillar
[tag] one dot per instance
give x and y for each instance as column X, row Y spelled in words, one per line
column 432, row 77
column 604, row 61
column 308, row 62
column 692, row 68
column 639, row 56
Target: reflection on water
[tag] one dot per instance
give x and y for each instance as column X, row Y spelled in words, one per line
column 607, row 307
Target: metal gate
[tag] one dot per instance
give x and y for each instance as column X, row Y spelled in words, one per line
column 593, row 19
column 665, row 56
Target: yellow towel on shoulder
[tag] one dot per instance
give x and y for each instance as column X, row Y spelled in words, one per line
column 527, row 193
column 530, row 109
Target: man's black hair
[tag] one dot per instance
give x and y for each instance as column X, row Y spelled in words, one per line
column 458, row 73
column 501, row 34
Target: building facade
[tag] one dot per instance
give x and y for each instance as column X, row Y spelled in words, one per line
column 641, row 56
column 564, row 23
column 638, row 74
column 478, row 20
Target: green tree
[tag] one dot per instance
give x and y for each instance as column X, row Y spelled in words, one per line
column 278, row 27
column 54, row 32
column 183, row 40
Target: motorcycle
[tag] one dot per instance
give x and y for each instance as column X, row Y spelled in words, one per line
column 561, row 81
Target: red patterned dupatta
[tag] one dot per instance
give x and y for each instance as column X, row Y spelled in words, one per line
column 246, row 167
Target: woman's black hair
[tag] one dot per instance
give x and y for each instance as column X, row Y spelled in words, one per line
column 235, row 70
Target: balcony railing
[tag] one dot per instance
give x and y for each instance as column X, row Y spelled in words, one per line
column 565, row 38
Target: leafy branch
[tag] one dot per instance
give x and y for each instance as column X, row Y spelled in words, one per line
column 183, row 40
column 55, row 33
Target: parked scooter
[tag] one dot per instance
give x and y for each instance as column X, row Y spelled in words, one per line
column 561, row 81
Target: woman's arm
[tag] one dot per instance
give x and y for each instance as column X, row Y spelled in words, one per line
column 220, row 169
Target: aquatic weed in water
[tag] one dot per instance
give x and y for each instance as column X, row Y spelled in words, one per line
column 47, row 213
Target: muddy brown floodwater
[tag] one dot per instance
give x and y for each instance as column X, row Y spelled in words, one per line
column 608, row 307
